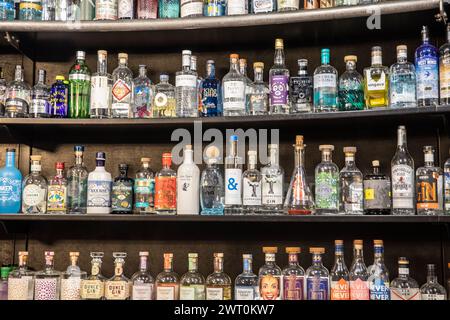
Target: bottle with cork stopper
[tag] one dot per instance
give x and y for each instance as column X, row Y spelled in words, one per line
column 377, row 191
column 317, row 277
column 293, row 276
column 351, row 185
column 327, row 183
column 270, row 274
column 359, row 287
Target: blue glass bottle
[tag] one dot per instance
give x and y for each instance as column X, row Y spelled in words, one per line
column 427, row 70
column 30, row 10
column 10, row 184
column 169, row 9
column 7, row 10
column 211, row 92
column 59, row 95
column 325, row 85
column 214, row 8
column 212, row 185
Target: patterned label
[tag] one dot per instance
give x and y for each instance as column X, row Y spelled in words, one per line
column 279, row 89
column 142, row 291
column 70, row 288
column 192, row 292
column 144, row 189
column 405, row 294
column 117, row 290
column 379, row 290
column 260, row 6
column 46, row 289
column 251, row 193
column 105, row 10
column 165, row 193
column 272, row 190
column 317, row 288
column 57, row 198
column 402, row 186
column 125, row 9
column 293, row 287
column 375, row 84
column 245, row 293
column 99, row 193
column 233, row 95
column 18, row 288
column 427, row 191
column 10, row 189
column 33, row 195
column 122, row 197
column 327, row 190
column 233, row 186
column 121, row 91
column 359, row 290
column 92, row 289
column 301, row 90
column 288, row 4
column 191, row 8
column 427, row 78
column 340, row 290
column 270, row 287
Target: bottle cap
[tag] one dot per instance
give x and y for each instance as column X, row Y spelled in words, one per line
column 186, row 52
column 351, row 150
column 234, row 56
column 428, row 149
column 60, row 165
column 270, row 249
column 36, row 158
column 163, row 77
column 403, row 260
column 279, row 44
column 293, row 250
column 317, row 250
column 193, row 255
column 143, row 253
column 298, row 140
column 145, row 159
column 258, row 65
column 102, row 53
column 78, row 148
column 376, row 163
column 100, row 156
column 338, row 242
column 358, row 242
column 123, row 166
column 188, row 147
column 377, row 242
column 23, row 253
column 210, row 62
column 81, row 55
column 218, row 255
column 376, row 50
column 326, row 147
column 74, row 254
column 302, row 62
column 252, row 153
column 123, row 55
column 350, row 58
column 59, row 77
column 10, row 150
column 402, row 47
column 325, row 51
column 247, row 256
column 234, row 138
column 49, row 253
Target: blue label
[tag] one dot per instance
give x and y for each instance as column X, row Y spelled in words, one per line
column 427, row 78
column 317, row 288
column 10, row 189
column 379, row 290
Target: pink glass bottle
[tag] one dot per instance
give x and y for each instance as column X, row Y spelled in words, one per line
column 147, row 9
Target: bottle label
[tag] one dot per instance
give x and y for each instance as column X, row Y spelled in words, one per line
column 214, row 294
column 405, row 294
column 187, row 190
column 121, row 92
column 325, row 80
column 10, row 189
column 33, row 195
column 340, row 290
column 317, row 288
column 92, row 289
column 432, row 296
column 301, row 93
column 57, row 198
column 288, row 4
column 144, row 189
column 353, row 200
column 79, row 77
column 191, row 8
column 272, row 190
column 70, row 288
column 39, row 106
column 427, row 78
column 403, row 89
column 117, row 290
column 270, row 287
column 379, row 290
column 16, row 104
column 428, row 189
column 377, row 194
column 186, row 80
column 209, row 98
column 99, row 193
column 233, row 188
column 245, row 293
column 105, row 10
column 293, row 287
column 100, row 92
column 46, row 289
column 260, row 6
column 215, row 8
column 18, row 288
column 165, row 193
column 234, row 95
column 359, row 290
column 447, row 190
column 142, row 101
column 235, row 7
column 444, row 73
column 142, row 291
column 192, row 292
column 258, row 103
column 327, row 190
column 122, row 197
column 251, row 193
column 402, row 186
column 125, row 9
column 279, row 89
column 375, row 84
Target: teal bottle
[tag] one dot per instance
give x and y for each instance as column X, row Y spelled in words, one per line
column 10, row 184
column 169, row 9
column 325, row 85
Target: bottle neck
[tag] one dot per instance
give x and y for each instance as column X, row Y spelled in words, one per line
column 317, row 259
column 302, row 71
column 326, row 156
column 123, row 173
column 193, row 264
column 270, row 259
column 233, row 149
column 168, row 264
column 358, row 256
column 299, row 157
column 59, row 172
column 243, row 69
column 377, row 60
column 118, row 267
column 259, row 75
column 431, row 276
column 350, row 66
column 10, row 159
column 100, row 164
column 378, row 256
column 188, row 157
column 123, row 63
column 293, row 259
column 102, row 66
column 73, row 261
column 41, row 78
column 403, row 271
column 23, row 262
column 79, row 159
column 218, row 265
column 273, row 157
column 429, row 160
column 279, row 59
column 142, row 72
column 211, row 70
column 401, row 139
column 248, row 265
column 18, row 74
column 376, row 170
column 48, row 262
column 96, row 266
column 401, row 59
column 143, row 263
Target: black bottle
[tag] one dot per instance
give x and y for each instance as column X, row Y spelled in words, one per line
column 377, row 192
column 122, row 192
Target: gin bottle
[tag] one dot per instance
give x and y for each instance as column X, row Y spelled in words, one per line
column 166, row 187
column 48, row 10
column 376, row 81
column 101, row 88
column 47, row 283
column 351, row 185
column 339, row 275
column 444, row 70
column 57, row 191
column 327, row 183
column 301, row 89
column 3, row 86
column 236, row 7
column 10, row 184
column 246, row 284
column 359, row 286
column 18, row 96
column 106, row 9
column 233, row 179
column 218, row 283
column 199, row 84
column 378, row 274
column 263, row 6
column 251, row 191
column 142, row 281
column 147, row 9
column 211, row 185
column 402, row 80
column 142, row 94
column 216, row 8
column 164, row 103
column 447, row 186
column 144, row 188
column 293, row 276
column 93, row 287
column 99, row 187
column 118, row 286
column 427, row 64
column 317, row 277
column 269, row 277
column 125, row 9
column 167, row 283
column 186, row 92
column 404, row 287
column 79, row 87
column 272, row 183
column 7, row 11
column 168, row 9
column 191, row 8
column 122, row 192
column 188, row 184
column 299, row 199
column 40, row 98
column 34, row 194
column 87, row 10
column 77, row 181
column 121, row 89
column 279, row 82
column 351, row 87
column 248, row 83
column 211, row 92
column 31, row 10
column 59, row 98
column 377, row 192
column 21, row 280
column 259, row 96
column 325, row 85
column 71, row 279
column 402, row 173
column 429, row 183
column 192, row 283
column 288, row 5
column 233, row 90
column 432, row 290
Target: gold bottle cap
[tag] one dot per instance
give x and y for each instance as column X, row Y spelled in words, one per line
column 193, row 255
column 212, row 152
column 350, row 58
column 377, row 242
column 351, row 150
column 23, row 253
column 326, row 147
column 293, row 250
column 146, row 159
column 60, row 77
column 299, row 140
column 74, row 254
column 168, row 255
column 317, row 250
column 234, row 56
column 279, row 44
column 358, row 242
column 403, row 260
column 338, row 242
column 36, row 158
column 270, row 249
column 258, row 65
column 143, row 253
column 218, row 254
column 376, row 163
column 123, row 55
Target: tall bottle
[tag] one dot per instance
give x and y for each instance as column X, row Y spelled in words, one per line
column 404, row 287
column 376, row 81
column 3, row 85
column 359, row 286
column 402, row 173
column 79, row 87
column 144, row 188
column 99, row 187
column 293, row 276
column 40, row 98
column 325, row 85
column 259, row 95
column 429, row 182
column 122, row 192
column 118, row 286
column 10, row 184
column 122, row 89
column 377, row 192
column 444, row 70
column 402, row 81
column 317, row 277
column 270, row 277
column 248, row 83
column 47, row 282
column 339, row 275
column 447, row 186
column 188, row 184
column 101, row 88
column 378, row 274
column 164, row 103
column 218, row 283
column 327, row 183
column 142, row 94
column 192, row 283
column 351, row 87
column 21, row 280
column 233, row 90
column 272, row 182
column 233, row 179
column 279, row 82
column 211, row 92
column 166, row 187
column 77, row 182
column 351, row 184
column 246, row 283
column 186, row 88
column 93, row 287
column 432, row 290
column 34, row 186
column 142, row 281
column 427, row 66
column 18, row 96
column 212, row 185
column 251, row 180
column 167, row 283
column 57, row 191
column 301, row 89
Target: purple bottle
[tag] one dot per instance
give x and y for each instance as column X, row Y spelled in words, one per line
column 59, row 96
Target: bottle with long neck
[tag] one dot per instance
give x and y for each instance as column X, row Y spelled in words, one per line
column 142, row 281
column 101, row 89
column 272, row 183
column 378, row 274
column 99, row 187
column 279, row 82
column 339, row 275
column 248, row 83
column 3, row 85
column 432, row 290
column 77, row 177
column 233, row 90
column 251, row 180
column 93, row 288
column 359, row 288
column 233, row 179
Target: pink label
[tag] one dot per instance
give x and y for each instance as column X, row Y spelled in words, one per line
column 359, row 290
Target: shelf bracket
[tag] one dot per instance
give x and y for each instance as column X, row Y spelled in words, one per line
column 442, row 15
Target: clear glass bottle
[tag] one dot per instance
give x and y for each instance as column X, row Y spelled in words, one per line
column 87, row 10
column 402, row 81
column 246, row 283
column 166, row 187
column 263, row 6
column 147, row 9
column 142, row 281
column 270, row 276
column 59, row 98
column 57, row 191
column 125, row 9
column 106, row 9
column 188, row 184
column 3, row 85
column 432, row 290
column 447, row 186
column 351, row 87
column 191, row 8
column 325, row 85
column 279, row 82
column 218, row 283
column 164, row 102
column 34, row 189
column 93, row 287
column 317, row 285
column 79, row 87
column 378, row 274
column 351, row 185
column 142, row 94
column 47, row 283
column 259, row 96
column 101, row 88
column 71, row 279
column 118, row 286
column 359, row 286
column 339, row 275
column 299, row 199
column 248, row 83
column 77, row 181
column 212, row 185
column 186, row 92
column 48, row 10
column 327, row 183
column 377, row 192
column 211, row 92
column 18, row 96
column 21, row 280
column 236, row 7
column 214, row 8
column 233, row 179
column 167, row 283
column 144, row 188
column 404, row 287
column 192, row 283
column 272, row 183
column 376, row 82
column 427, row 66
column 429, row 186
column 402, row 173
column 10, row 184
column 444, row 70
column 251, row 190
column 122, row 89
column 122, row 192
column 233, row 90
column 168, row 9
column 40, row 98
column 99, row 187
column 293, row 276
column 301, row 89
column 288, row 5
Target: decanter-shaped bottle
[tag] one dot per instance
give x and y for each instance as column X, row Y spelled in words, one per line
column 93, row 287
column 47, row 283
column 21, row 280
column 118, row 286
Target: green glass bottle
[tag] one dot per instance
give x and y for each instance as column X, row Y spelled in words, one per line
column 79, row 88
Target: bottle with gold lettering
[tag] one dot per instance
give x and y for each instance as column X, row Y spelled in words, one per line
column 118, row 287
column 429, row 184
column 93, row 287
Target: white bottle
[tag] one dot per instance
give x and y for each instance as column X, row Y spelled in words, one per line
column 99, row 187
column 188, row 184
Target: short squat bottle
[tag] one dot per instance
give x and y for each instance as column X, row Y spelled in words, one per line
column 429, row 183
column 377, row 192
column 404, row 287
column 432, row 290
